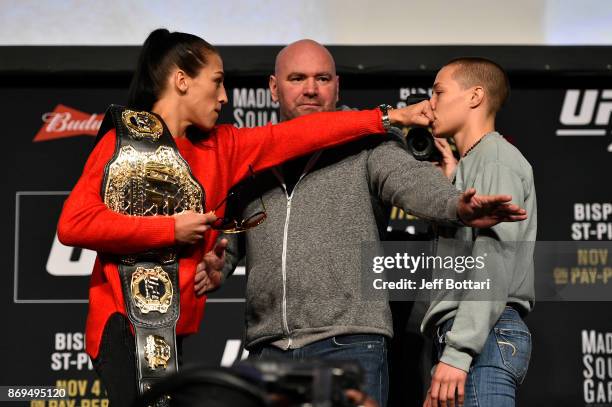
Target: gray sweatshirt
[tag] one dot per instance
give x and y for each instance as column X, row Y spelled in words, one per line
column 494, row 166
column 303, row 262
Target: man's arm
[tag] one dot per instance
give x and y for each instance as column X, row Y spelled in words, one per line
column 417, row 187
column 270, row 145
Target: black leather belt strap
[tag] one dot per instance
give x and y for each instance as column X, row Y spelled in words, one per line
column 151, row 294
column 148, row 177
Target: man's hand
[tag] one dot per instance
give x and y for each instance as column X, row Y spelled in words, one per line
column 208, row 271
column 484, row 211
column 419, row 114
column 447, row 383
column 189, row 226
column 448, row 163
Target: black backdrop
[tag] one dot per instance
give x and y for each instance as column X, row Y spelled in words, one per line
column 44, row 288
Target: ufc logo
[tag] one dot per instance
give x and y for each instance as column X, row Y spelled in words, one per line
column 231, row 353
column 591, row 108
column 593, row 101
column 69, row 261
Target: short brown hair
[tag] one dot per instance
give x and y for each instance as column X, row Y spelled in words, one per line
column 472, row 71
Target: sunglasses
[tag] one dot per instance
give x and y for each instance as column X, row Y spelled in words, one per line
column 238, row 224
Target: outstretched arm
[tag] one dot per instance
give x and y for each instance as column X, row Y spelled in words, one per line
column 420, row 188
column 479, row 211
column 267, row 146
column 485, row 211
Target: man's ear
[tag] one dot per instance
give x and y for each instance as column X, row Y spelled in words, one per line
column 337, row 88
column 273, row 88
column 477, row 96
column 180, row 81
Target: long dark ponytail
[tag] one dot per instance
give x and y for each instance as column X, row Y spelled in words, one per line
column 161, row 51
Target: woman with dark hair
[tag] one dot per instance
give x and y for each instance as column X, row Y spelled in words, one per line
column 148, row 161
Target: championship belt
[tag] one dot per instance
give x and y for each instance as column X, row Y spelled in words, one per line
column 148, row 177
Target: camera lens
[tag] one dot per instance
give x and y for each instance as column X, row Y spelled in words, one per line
column 420, row 143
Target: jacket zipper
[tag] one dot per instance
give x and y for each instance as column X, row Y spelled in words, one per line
column 284, row 267
column 309, row 165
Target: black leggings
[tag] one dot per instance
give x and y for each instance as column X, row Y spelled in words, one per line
column 116, row 361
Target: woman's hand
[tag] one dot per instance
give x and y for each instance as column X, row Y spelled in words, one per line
column 448, row 163
column 418, row 114
column 189, row 226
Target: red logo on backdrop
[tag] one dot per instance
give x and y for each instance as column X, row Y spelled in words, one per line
column 65, row 121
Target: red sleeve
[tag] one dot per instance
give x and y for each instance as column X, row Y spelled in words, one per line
column 270, row 145
column 87, row 222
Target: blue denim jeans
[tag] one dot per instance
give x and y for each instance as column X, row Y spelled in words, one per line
column 369, row 350
column 497, row 371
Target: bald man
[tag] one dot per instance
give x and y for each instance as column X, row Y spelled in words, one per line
column 303, row 295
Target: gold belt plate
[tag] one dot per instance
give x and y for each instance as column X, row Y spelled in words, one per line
column 157, row 352
column 151, row 289
column 142, row 125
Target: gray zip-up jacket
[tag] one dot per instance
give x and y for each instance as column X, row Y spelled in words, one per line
column 303, row 262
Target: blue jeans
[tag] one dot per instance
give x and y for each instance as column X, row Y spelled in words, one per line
column 497, row 371
column 369, row 350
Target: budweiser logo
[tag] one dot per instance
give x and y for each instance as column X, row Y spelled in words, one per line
column 65, row 121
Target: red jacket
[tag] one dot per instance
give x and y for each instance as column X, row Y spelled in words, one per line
column 218, row 161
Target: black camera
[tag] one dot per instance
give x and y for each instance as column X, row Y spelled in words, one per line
column 316, row 382
column 420, row 141
column 421, row 145
column 258, row 383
